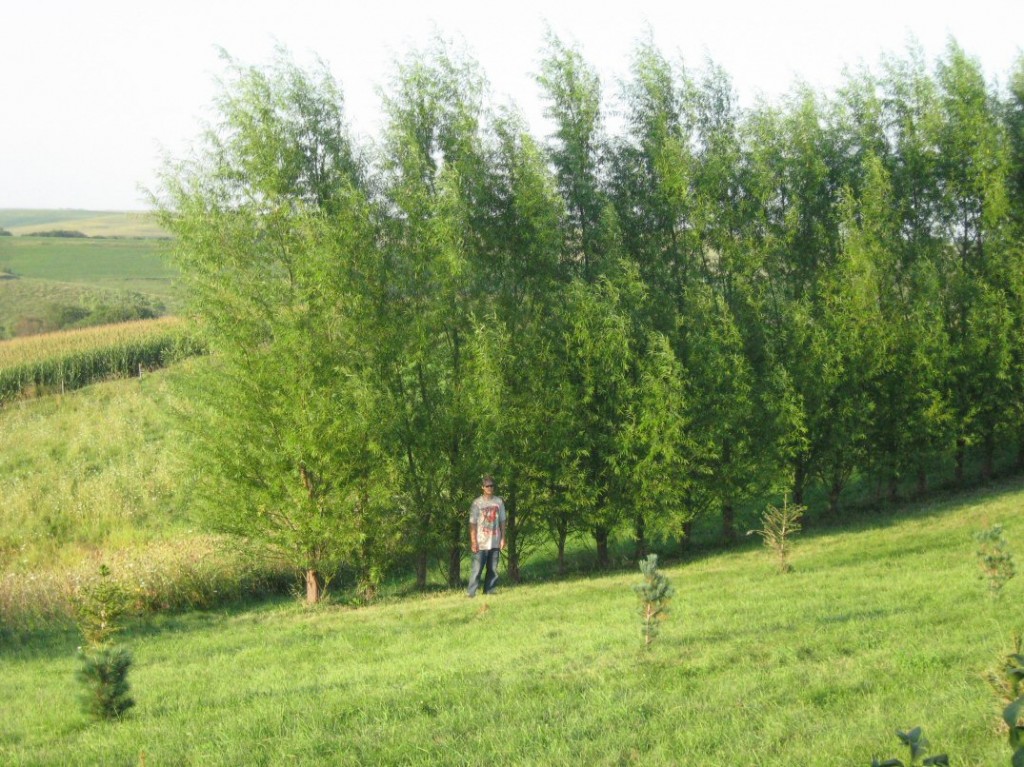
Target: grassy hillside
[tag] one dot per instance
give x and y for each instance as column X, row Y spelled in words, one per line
column 59, row 272
column 89, row 222
column 82, row 469
column 94, row 475
column 881, row 627
column 117, row 264
column 884, row 625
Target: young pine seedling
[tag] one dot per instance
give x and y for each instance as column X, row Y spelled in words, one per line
column 778, row 526
column 655, row 593
column 103, row 674
column 995, row 559
column 1010, row 689
column 918, row 745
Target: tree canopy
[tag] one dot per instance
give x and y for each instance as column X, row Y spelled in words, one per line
column 630, row 330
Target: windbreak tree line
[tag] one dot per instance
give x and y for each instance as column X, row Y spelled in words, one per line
column 713, row 305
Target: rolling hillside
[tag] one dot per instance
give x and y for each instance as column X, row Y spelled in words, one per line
column 89, row 222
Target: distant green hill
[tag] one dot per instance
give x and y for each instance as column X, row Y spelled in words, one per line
column 91, row 223
column 40, row 277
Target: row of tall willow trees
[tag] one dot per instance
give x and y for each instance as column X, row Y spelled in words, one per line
column 705, row 306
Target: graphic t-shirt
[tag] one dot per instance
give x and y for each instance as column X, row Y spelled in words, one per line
column 488, row 515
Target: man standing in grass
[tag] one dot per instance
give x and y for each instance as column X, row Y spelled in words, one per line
column 486, row 537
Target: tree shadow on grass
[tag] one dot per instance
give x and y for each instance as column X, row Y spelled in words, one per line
column 61, row 639
column 38, row 642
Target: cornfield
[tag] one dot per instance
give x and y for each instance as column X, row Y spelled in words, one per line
column 73, row 359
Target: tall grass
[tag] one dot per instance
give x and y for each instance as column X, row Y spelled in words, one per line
column 93, row 477
column 186, row 572
column 75, row 358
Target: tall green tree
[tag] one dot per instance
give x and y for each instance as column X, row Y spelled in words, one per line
column 973, row 170
column 515, row 373
column 433, row 165
column 578, row 154
column 652, row 185
column 752, row 446
column 578, row 151
column 1013, row 116
column 274, row 242
column 910, row 419
column 789, row 179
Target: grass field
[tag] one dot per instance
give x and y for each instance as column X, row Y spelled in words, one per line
column 89, row 222
column 113, row 264
column 86, row 469
column 881, row 627
column 54, row 271
column 94, row 476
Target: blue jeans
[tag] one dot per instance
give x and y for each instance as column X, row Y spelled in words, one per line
column 481, row 558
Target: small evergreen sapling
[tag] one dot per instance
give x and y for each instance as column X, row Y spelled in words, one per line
column 654, row 593
column 1009, row 687
column 918, row 745
column 99, row 608
column 777, row 528
column 104, row 677
column 995, row 559
column 100, row 605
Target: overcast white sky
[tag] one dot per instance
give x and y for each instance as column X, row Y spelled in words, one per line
column 91, row 92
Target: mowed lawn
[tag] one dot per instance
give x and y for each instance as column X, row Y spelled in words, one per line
column 880, row 627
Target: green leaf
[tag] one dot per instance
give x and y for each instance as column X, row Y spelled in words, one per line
column 938, row 759
column 1011, row 714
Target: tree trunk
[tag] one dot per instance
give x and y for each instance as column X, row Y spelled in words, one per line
column 367, row 584
column 833, row 497
column 728, row 523
column 455, row 554
column 512, row 534
column 684, row 541
column 988, row 463
column 958, row 472
column 601, row 538
column 454, row 566
column 421, row 569
column 894, row 488
column 640, row 530
column 563, row 533
column 314, row 587
column 799, row 481
column 922, row 482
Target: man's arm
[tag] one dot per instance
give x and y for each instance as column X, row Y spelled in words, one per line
column 501, row 523
column 473, row 519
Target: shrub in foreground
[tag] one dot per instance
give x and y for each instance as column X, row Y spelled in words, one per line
column 1013, row 713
